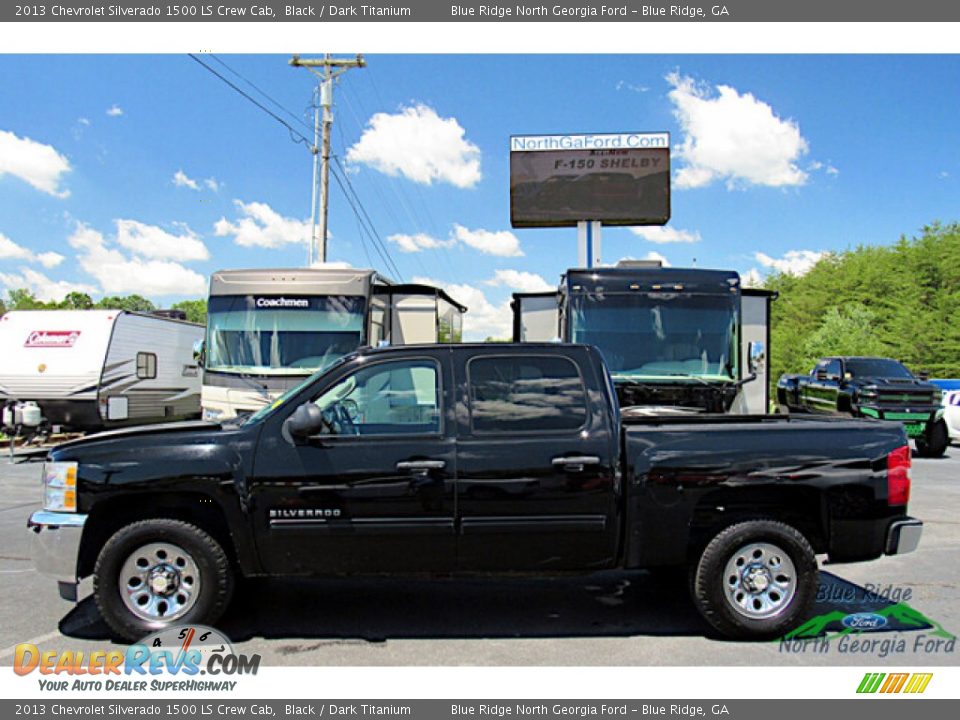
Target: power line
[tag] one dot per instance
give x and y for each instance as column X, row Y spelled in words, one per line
column 276, row 104
column 293, row 131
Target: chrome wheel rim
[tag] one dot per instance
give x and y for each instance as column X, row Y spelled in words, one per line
column 759, row 581
column 159, row 582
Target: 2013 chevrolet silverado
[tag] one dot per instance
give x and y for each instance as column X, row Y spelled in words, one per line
column 470, row 459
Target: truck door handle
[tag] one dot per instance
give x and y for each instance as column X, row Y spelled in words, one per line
column 419, row 466
column 575, row 463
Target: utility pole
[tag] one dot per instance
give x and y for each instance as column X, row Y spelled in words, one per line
column 327, row 69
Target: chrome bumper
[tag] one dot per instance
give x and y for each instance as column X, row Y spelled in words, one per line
column 903, row 536
column 55, row 545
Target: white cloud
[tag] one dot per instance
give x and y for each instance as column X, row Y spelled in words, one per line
column 118, row 274
column 180, row 179
column 35, row 163
column 418, row 242
column 630, row 86
column 212, row 184
column 733, row 137
column 661, row 235
column 115, row 111
column 332, row 264
column 483, row 319
column 752, row 278
column 501, row 243
column 9, row 250
column 42, row 287
column 419, row 145
column 259, row 225
column 49, row 259
column 793, row 262
column 519, row 280
column 652, row 255
column 152, row 242
column 84, row 121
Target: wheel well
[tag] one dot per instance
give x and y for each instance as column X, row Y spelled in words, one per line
column 801, row 508
column 109, row 515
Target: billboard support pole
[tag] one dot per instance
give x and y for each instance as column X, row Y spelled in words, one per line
column 588, row 243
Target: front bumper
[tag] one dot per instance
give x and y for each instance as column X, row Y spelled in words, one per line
column 903, row 536
column 55, row 546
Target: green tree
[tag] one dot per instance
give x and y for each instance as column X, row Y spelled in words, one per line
column 24, row 300
column 135, row 303
column 76, row 301
column 844, row 331
column 196, row 310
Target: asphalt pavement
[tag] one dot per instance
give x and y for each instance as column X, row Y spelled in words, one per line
column 611, row 618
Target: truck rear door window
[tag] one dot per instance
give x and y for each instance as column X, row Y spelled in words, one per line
column 525, row 394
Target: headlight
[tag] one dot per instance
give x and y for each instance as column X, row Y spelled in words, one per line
column 60, row 486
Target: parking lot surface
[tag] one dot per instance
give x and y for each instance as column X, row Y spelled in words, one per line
column 606, row 619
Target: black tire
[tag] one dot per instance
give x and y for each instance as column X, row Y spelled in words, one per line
column 710, row 580
column 209, row 562
column 933, row 443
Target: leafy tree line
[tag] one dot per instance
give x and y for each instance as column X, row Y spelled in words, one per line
column 196, row 310
column 900, row 301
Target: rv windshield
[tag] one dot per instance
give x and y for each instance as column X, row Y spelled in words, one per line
column 282, row 335
column 666, row 336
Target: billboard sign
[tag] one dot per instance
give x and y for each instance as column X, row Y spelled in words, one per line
column 615, row 178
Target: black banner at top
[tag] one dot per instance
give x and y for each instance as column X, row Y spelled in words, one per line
column 473, row 11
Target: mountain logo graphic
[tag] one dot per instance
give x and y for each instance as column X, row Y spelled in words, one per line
column 856, row 623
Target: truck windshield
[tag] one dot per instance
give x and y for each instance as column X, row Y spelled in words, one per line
column 876, row 367
column 281, row 335
column 659, row 335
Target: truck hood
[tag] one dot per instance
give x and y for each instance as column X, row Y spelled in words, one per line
column 191, row 426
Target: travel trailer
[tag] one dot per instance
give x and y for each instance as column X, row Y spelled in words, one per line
column 89, row 370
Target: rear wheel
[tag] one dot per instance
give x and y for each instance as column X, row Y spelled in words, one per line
column 934, row 442
column 156, row 573
column 756, row 579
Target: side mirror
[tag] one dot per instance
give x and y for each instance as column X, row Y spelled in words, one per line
column 757, row 357
column 305, row 421
column 821, row 374
column 924, row 375
column 200, row 352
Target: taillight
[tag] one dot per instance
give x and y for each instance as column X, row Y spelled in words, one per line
column 898, row 476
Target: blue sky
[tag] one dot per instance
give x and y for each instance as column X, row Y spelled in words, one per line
column 123, row 174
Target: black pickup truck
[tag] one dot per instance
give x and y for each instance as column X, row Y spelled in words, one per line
column 870, row 387
column 470, row 459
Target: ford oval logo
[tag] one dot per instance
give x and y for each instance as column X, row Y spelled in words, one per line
column 864, row 621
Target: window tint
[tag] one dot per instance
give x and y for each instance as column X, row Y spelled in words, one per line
column 833, row 368
column 146, row 365
column 510, row 394
column 392, row 398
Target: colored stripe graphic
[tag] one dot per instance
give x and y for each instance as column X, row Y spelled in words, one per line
column 893, row 683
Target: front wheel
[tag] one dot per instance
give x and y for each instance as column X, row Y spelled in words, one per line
column 153, row 574
column 933, row 443
column 756, row 580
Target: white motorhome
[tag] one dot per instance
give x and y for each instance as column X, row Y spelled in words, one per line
column 267, row 330
column 89, row 370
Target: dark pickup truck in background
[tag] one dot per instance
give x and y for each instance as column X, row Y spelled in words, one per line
column 470, row 459
column 870, row 387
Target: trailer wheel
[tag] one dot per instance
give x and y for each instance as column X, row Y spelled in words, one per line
column 756, row 579
column 933, row 443
column 153, row 574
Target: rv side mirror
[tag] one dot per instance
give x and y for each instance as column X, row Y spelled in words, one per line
column 755, row 351
column 821, row 374
column 305, row 421
column 200, row 352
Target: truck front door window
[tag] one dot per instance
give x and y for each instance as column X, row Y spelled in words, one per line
column 393, row 398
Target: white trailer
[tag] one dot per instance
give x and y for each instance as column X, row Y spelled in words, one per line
column 90, row 370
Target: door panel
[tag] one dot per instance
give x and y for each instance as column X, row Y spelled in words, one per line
column 537, row 483
column 373, row 492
